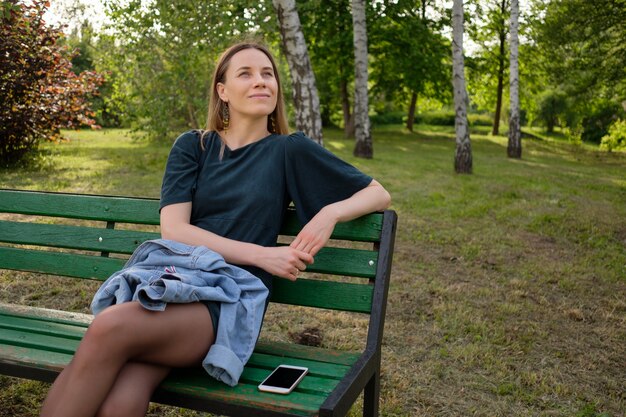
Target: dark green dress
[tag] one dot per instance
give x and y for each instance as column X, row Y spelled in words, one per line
column 244, row 195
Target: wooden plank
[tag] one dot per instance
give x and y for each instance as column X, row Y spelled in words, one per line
column 363, row 229
column 310, row 384
column 45, row 328
column 73, row 237
column 81, row 206
column 296, row 403
column 291, row 350
column 339, row 261
column 345, row 261
column 46, row 314
column 38, row 341
column 319, row 369
column 192, row 382
column 323, row 294
column 33, row 357
column 57, row 263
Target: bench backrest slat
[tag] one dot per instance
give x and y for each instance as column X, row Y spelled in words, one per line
column 80, row 247
column 87, row 207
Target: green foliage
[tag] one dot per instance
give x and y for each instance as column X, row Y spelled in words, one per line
column 437, row 118
column 616, row 137
column 327, row 26
column 583, row 46
column 552, row 107
column 596, row 125
column 579, row 47
column 409, row 54
column 92, row 51
column 476, row 119
column 488, row 27
column 388, row 118
column 39, row 93
column 433, row 118
column 161, row 55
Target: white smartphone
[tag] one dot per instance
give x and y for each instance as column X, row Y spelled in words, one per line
column 283, row 379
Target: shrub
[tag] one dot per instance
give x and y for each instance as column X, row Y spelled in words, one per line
column 616, row 137
column 596, row 125
column 480, row 120
column 552, row 107
column 390, row 118
column 438, row 118
column 39, row 94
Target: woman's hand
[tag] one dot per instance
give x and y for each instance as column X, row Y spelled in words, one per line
column 315, row 234
column 284, row 261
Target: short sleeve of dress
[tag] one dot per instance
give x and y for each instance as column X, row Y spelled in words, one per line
column 316, row 177
column 181, row 170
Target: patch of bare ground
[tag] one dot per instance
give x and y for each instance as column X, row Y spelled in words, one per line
column 525, row 332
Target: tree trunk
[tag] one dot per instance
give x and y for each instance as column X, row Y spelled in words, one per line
column 305, row 96
column 496, row 119
column 363, row 147
column 348, row 117
column 411, row 117
column 463, row 155
column 514, row 148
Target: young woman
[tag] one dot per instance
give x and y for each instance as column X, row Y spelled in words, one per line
column 226, row 189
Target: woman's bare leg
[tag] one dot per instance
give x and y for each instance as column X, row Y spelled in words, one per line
column 177, row 337
column 133, row 388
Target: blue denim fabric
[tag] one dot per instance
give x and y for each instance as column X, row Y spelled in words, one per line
column 163, row 271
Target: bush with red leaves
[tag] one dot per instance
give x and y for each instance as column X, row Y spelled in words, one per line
column 39, row 93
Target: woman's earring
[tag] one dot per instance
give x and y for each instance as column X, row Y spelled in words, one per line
column 225, row 117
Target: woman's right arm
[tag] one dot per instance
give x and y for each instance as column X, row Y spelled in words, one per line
column 280, row 261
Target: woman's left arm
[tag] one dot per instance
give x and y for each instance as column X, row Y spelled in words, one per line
column 318, row 230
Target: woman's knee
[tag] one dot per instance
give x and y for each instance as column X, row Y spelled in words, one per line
column 108, row 331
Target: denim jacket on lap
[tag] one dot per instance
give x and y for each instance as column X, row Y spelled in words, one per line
column 164, row 271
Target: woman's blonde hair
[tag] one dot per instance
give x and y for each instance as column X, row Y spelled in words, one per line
column 276, row 121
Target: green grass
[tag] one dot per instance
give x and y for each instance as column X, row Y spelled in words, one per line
column 508, row 287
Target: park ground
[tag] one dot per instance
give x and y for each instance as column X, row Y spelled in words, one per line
column 508, row 291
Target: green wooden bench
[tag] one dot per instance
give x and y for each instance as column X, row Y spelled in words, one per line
column 78, row 236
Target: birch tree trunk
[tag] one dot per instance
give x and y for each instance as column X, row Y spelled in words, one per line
column 514, row 148
column 305, row 96
column 363, row 147
column 463, row 155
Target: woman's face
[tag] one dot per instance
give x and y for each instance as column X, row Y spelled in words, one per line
column 250, row 87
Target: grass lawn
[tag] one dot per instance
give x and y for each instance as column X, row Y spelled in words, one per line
column 508, row 293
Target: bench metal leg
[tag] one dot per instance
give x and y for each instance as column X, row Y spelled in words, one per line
column 371, row 396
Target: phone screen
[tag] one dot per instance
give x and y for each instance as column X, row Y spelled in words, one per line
column 284, row 377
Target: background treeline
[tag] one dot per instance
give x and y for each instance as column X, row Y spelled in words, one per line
column 157, row 57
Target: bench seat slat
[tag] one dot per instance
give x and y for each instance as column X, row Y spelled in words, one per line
column 296, row 403
column 291, row 350
column 327, row 370
column 46, row 315
column 76, row 323
column 42, row 327
column 46, row 352
column 192, row 383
